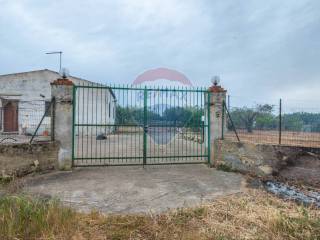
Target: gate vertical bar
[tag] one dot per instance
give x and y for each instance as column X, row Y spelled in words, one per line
column 73, row 120
column 145, row 95
column 208, row 126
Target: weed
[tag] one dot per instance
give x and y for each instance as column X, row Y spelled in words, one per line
column 224, row 167
column 5, row 180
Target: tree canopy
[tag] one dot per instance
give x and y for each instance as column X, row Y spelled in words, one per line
column 263, row 117
column 179, row 116
column 250, row 118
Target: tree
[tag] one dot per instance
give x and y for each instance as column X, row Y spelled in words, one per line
column 247, row 118
column 292, row 122
column 133, row 115
column 178, row 115
column 183, row 116
column 266, row 121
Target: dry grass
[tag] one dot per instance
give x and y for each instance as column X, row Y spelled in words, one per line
column 253, row 215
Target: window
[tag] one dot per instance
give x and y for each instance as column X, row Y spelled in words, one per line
column 46, row 110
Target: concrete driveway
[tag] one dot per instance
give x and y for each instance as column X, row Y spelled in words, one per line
column 136, row 189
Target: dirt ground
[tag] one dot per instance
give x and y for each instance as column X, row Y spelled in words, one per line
column 126, row 148
column 302, row 139
column 304, row 169
column 130, row 189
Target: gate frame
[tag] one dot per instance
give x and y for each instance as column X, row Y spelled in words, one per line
column 206, row 109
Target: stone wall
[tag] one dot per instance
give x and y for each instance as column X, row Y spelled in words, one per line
column 21, row 159
column 256, row 159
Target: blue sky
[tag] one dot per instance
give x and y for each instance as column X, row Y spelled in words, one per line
column 262, row 49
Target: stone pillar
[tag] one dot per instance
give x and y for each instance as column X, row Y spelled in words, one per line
column 217, row 117
column 61, row 91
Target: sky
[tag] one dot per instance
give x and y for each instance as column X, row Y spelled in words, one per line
column 261, row 50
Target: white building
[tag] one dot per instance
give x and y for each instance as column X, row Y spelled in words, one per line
column 25, row 96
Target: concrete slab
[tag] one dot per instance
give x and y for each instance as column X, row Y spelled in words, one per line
column 136, row 189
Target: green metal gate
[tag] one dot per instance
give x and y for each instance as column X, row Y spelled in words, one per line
column 140, row 125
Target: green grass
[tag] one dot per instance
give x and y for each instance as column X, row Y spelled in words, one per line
column 24, row 218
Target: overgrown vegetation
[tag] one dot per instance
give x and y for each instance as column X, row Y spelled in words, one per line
column 254, row 215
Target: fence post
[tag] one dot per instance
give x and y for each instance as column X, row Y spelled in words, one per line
column 52, row 114
column 217, row 119
column 280, row 120
column 61, row 91
column 223, row 119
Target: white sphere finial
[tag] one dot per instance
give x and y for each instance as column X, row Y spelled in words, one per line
column 215, row 80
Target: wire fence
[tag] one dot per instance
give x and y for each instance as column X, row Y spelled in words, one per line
column 281, row 122
column 300, row 125
column 25, row 121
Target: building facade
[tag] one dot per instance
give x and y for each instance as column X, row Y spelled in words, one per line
column 24, row 98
